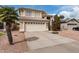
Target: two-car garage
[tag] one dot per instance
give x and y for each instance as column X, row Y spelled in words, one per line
column 33, row 26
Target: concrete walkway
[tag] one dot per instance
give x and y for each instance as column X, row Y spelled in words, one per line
column 37, row 40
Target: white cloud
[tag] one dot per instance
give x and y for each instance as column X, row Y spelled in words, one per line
column 69, row 11
column 65, row 13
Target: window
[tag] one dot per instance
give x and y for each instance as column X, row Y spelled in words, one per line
column 28, row 22
column 1, row 25
column 71, row 24
column 36, row 14
column 48, row 17
column 31, row 22
column 28, row 13
column 36, row 22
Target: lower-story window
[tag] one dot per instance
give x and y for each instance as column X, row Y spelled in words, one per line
column 1, row 25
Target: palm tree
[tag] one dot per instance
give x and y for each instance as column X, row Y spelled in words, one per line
column 8, row 15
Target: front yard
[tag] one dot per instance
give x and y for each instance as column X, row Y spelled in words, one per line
column 20, row 45
column 41, row 42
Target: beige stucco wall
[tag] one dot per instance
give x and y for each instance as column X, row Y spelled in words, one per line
column 64, row 26
column 22, row 25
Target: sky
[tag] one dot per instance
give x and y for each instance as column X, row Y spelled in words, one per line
column 69, row 11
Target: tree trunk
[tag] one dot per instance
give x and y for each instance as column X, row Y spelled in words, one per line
column 9, row 34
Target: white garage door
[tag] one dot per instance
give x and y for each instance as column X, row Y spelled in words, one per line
column 71, row 26
column 36, row 27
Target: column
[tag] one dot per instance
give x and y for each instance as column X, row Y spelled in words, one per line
column 21, row 26
column 4, row 25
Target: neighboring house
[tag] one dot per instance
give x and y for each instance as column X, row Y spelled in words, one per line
column 66, row 24
column 32, row 20
column 69, row 24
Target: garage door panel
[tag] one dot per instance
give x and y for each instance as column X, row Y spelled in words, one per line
column 35, row 27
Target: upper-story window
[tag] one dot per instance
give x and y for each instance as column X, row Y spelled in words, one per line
column 37, row 14
column 28, row 13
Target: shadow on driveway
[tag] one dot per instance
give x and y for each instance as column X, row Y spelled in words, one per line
column 32, row 38
column 27, row 39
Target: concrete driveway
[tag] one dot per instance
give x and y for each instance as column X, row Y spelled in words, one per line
column 48, row 42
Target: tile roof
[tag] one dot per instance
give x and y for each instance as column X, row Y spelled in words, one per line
column 67, row 20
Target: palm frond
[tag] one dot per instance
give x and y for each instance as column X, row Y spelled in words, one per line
column 8, row 14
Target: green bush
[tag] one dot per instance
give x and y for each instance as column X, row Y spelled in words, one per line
column 1, row 33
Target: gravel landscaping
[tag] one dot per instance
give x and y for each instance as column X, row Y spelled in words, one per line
column 20, row 44
column 70, row 34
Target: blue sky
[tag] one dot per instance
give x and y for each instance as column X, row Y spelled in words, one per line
column 69, row 11
column 51, row 9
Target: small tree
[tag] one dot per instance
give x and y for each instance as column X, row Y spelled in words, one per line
column 8, row 15
column 56, row 23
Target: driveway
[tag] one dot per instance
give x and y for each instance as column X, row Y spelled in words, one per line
column 48, row 42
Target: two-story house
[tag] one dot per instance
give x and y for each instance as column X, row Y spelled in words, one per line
column 32, row 20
